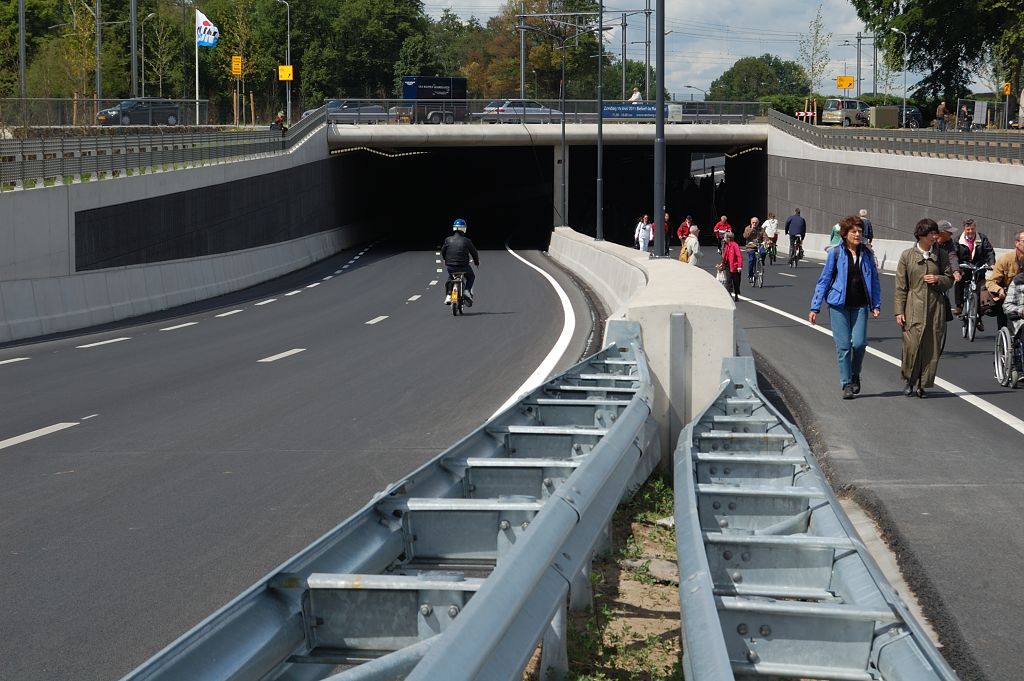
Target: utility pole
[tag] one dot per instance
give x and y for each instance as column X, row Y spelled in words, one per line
column 599, row 228
column 647, row 52
column 623, row 55
column 135, row 62
column 858, row 64
column 99, row 70
column 522, row 53
column 659, row 134
column 21, row 49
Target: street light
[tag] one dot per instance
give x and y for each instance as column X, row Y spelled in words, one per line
column 288, row 59
column 903, row 113
column 691, row 87
column 143, row 31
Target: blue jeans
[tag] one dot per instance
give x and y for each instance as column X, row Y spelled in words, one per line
column 751, row 262
column 850, row 332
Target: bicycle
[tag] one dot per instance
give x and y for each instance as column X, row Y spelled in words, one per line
column 458, row 293
column 759, row 267
column 969, row 314
column 796, row 250
column 773, row 250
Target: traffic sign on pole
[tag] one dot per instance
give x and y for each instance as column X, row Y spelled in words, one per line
column 284, row 72
column 236, row 65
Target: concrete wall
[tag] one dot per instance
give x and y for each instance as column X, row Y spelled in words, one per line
column 173, row 238
column 635, row 287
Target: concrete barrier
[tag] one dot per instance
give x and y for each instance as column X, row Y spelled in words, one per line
column 685, row 354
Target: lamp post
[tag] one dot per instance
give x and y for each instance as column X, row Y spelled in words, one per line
column 288, row 60
column 143, row 36
column 691, row 87
column 903, row 112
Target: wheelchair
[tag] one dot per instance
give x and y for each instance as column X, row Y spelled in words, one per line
column 1009, row 355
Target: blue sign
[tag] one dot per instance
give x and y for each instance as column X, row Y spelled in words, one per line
column 631, row 111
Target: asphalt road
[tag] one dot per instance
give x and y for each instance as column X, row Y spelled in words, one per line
column 172, row 469
column 942, row 476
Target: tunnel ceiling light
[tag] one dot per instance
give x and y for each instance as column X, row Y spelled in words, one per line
column 379, row 152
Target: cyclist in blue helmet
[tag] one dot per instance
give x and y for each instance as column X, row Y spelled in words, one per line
column 457, row 252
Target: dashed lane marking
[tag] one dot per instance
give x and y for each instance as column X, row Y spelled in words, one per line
column 282, row 355
column 314, row 284
column 179, row 326
column 376, row 320
column 415, row 297
column 439, row 271
column 266, row 302
column 25, row 437
column 328, row 277
column 783, row 274
column 228, row 313
column 345, row 267
column 433, row 282
column 337, row 271
column 292, row 293
column 12, row 361
column 106, row 342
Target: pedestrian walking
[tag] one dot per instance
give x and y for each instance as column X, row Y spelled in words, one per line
column 849, row 285
column 732, row 263
column 721, row 227
column 691, row 247
column 639, row 233
column 940, row 115
column 923, row 275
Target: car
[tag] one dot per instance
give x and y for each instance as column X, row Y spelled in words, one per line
column 519, row 111
column 352, row 111
column 843, row 112
column 912, row 118
column 140, row 111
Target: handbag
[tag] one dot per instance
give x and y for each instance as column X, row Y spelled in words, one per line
column 987, row 304
column 949, row 308
column 684, row 255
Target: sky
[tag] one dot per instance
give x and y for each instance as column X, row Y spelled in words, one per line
column 706, row 38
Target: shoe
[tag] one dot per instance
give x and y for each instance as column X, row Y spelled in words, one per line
column 848, row 392
column 468, row 301
column 448, row 299
column 956, row 311
column 981, row 325
column 855, row 384
column 908, row 390
column 921, row 393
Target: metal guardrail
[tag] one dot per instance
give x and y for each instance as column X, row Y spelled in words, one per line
column 774, row 581
column 458, row 570
column 1005, row 146
column 40, row 162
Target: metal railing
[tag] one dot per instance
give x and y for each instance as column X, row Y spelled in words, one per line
column 1006, row 146
column 774, row 581
column 40, row 162
column 461, row 568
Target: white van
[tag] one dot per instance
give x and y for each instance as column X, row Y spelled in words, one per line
column 843, row 112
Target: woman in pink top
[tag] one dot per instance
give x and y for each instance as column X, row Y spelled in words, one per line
column 732, row 262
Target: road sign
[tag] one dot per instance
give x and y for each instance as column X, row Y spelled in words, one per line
column 844, row 82
column 1006, row 88
column 236, row 65
column 284, row 72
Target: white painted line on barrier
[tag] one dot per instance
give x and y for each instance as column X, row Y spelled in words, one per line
column 266, row 302
column 228, row 314
column 292, row 293
column 314, row 284
column 375, row 320
column 987, row 407
column 783, row 274
column 433, row 282
column 179, row 326
column 12, row 361
column 328, row 277
column 18, row 439
column 415, row 297
column 288, row 353
column 557, row 350
column 106, row 342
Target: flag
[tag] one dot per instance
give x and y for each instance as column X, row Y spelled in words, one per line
column 207, row 34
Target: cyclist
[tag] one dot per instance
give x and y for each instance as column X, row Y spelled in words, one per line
column 796, row 228
column 973, row 248
column 1006, row 268
column 457, row 252
column 771, row 231
column 753, row 237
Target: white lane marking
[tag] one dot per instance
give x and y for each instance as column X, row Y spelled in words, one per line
column 179, row 326
column 889, row 274
column 437, row 252
column 415, row 297
column 328, row 277
column 345, row 267
column 282, row 355
column 106, row 342
column 228, row 314
column 439, row 271
column 783, row 274
column 557, row 350
column 266, row 302
column 90, row 416
column 433, row 282
column 18, row 439
column 375, row 320
column 987, row 407
column 12, row 361
column 337, row 271
column 356, row 257
column 292, row 293
column 438, row 262
column 314, row 284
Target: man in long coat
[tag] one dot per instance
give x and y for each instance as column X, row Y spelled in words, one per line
column 922, row 278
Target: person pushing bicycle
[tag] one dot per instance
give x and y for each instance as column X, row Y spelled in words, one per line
column 457, row 252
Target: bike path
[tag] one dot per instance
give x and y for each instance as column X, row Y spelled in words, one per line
column 941, row 476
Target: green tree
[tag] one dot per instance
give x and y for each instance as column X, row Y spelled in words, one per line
column 753, row 77
column 813, row 51
column 38, row 15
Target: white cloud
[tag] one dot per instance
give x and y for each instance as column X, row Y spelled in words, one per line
column 707, row 38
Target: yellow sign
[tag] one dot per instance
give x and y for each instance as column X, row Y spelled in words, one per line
column 284, row 72
column 1006, row 88
column 844, row 82
column 236, row 65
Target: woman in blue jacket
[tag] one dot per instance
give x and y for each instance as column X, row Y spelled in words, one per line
column 849, row 284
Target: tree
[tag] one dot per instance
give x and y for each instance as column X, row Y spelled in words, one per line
column 813, row 52
column 753, row 77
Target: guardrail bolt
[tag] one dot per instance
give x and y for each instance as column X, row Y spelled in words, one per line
column 426, row 610
column 576, row 447
column 745, row 557
column 713, row 471
column 525, row 525
column 732, row 505
column 505, row 525
column 548, row 482
column 742, row 629
column 472, row 488
column 727, row 555
column 724, row 522
column 453, row 610
column 612, row 417
column 765, row 630
column 737, row 577
column 727, row 471
column 716, row 505
column 752, row 656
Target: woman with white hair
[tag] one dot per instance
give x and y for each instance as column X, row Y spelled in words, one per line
column 691, row 247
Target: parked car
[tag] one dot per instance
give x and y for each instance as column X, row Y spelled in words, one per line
column 914, row 119
column 843, row 112
column 140, row 111
column 519, row 111
column 352, row 111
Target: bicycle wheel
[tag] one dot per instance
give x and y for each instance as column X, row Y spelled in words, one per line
column 759, row 276
column 965, row 315
column 1002, row 357
column 972, row 317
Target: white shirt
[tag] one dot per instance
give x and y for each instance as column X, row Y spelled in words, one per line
column 636, row 97
column 771, row 228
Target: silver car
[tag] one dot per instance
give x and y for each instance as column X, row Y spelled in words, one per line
column 352, row 111
column 519, row 111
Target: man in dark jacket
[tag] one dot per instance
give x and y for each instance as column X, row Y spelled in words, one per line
column 796, row 228
column 972, row 248
column 457, row 252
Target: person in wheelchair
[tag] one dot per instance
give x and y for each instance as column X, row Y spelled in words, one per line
column 1009, row 358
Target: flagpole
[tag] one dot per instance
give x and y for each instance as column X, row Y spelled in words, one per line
column 196, row 39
